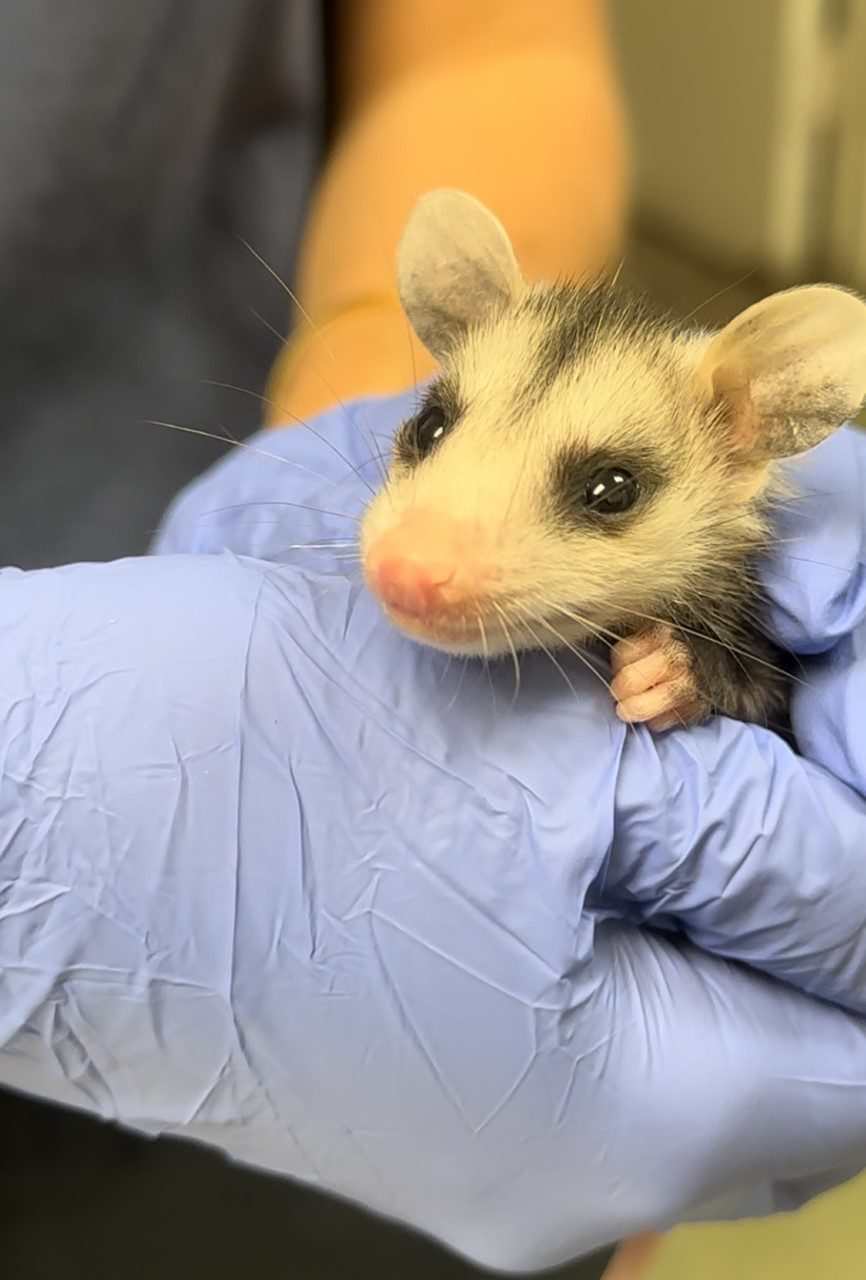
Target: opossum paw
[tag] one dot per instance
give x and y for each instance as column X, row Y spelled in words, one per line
column 654, row 682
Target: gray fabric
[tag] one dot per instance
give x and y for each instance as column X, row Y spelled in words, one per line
column 138, row 140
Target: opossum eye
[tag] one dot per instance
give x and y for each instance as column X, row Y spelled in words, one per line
column 611, row 491
column 428, row 429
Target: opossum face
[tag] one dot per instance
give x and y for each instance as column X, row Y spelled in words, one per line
column 579, row 468
column 558, row 480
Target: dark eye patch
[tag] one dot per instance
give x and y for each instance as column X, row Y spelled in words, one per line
column 436, row 418
column 600, row 490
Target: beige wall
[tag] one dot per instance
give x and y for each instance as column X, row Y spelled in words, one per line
column 749, row 124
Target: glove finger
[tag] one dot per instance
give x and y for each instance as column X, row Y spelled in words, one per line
column 722, row 831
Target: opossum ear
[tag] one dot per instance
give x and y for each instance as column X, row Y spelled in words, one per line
column 455, row 265
column 788, row 371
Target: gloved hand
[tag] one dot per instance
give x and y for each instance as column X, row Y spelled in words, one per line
column 275, row 878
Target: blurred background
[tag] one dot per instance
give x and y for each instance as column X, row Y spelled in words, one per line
column 749, row 124
column 749, row 130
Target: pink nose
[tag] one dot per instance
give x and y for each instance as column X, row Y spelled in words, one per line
column 412, row 586
column 424, row 566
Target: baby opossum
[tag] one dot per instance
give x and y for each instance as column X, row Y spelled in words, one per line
column 582, row 471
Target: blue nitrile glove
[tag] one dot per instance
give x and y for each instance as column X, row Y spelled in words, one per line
column 273, row 877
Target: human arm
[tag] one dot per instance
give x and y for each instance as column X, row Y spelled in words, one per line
column 517, row 103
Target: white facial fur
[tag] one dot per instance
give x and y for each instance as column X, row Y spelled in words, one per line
column 541, row 385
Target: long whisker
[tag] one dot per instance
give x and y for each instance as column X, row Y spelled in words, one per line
column 242, row 444
column 719, row 294
column 281, row 337
column 283, row 502
column 578, row 654
column 552, row 658
column 341, row 550
column 459, row 683
column 483, row 634
column 293, row 296
column 823, row 564
column 315, row 328
column 335, row 544
column 599, row 676
column 702, row 635
column 443, row 673
column 263, row 453
column 604, row 634
column 375, row 455
column 347, row 562
column 509, row 641
column 485, row 646
column 245, row 391
column 599, row 632
column 212, row 435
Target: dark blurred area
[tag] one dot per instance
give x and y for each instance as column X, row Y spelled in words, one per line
column 83, row 1201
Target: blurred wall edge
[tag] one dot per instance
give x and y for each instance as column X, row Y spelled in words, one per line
column 749, row 125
